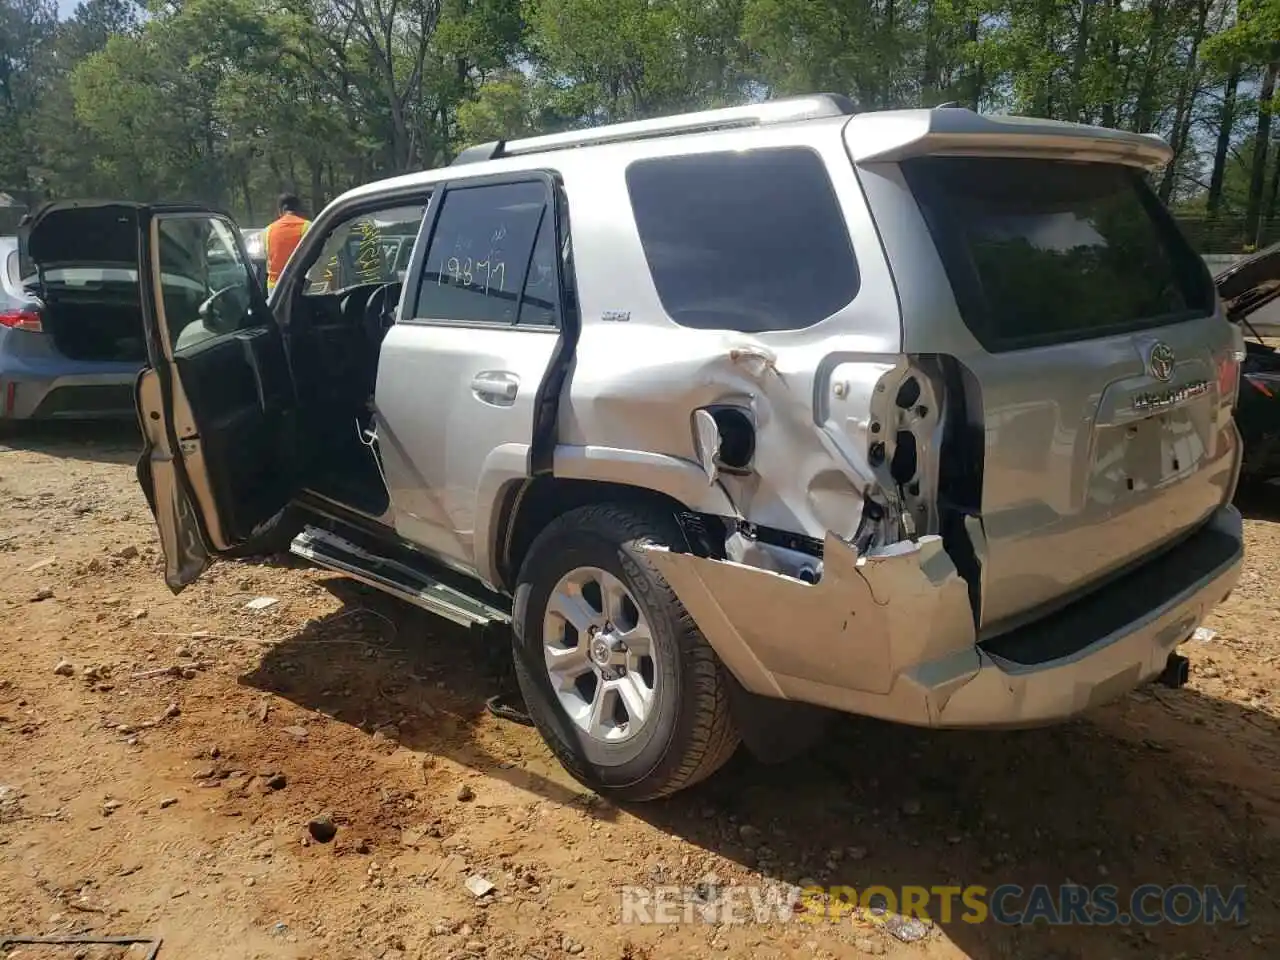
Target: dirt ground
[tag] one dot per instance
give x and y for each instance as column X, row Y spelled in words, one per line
column 161, row 758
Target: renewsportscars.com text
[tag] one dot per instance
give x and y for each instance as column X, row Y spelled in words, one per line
column 1007, row 904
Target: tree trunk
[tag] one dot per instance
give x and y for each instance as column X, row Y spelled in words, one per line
column 889, row 51
column 379, row 27
column 1144, row 108
column 441, row 149
column 317, row 186
column 1224, row 142
column 1042, row 99
column 247, row 190
column 1182, row 110
column 1077, row 61
column 1113, row 65
column 1272, row 205
column 929, row 75
column 976, row 79
column 1261, row 141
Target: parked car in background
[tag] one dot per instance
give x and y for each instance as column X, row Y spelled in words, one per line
column 1250, row 292
column 71, row 345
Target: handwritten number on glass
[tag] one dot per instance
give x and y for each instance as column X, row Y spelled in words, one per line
column 490, row 274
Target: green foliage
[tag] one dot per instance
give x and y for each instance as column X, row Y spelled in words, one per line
column 24, row 27
column 230, row 101
column 1254, row 37
column 629, row 58
column 502, row 108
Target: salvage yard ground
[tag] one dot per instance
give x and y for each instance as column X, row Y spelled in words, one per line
column 161, row 758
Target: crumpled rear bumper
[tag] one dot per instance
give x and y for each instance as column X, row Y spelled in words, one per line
column 891, row 635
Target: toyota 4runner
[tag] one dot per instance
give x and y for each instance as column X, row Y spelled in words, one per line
column 922, row 415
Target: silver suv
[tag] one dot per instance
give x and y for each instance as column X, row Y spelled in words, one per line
column 922, row 415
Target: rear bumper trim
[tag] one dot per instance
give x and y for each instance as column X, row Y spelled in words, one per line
column 892, row 636
column 71, row 397
column 1005, row 692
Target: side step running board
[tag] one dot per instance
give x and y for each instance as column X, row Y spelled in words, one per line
column 397, row 578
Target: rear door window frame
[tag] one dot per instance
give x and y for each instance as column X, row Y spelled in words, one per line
column 553, row 216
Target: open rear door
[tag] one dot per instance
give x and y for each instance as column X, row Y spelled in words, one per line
column 217, row 404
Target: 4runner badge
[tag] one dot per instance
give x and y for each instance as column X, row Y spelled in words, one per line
column 1160, row 361
column 1164, row 399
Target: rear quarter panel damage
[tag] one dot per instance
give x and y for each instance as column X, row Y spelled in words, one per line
column 852, row 641
column 810, row 471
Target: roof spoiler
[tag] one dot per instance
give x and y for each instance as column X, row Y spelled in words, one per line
column 955, row 131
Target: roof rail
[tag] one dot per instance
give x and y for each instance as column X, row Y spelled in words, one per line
column 782, row 110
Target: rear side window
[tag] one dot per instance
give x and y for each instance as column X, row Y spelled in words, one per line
column 751, row 241
column 492, row 258
column 1046, row 251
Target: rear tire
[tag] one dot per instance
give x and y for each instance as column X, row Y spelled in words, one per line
column 678, row 728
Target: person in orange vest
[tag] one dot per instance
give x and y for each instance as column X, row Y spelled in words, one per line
column 282, row 236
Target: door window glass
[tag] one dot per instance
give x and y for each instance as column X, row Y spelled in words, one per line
column 751, row 241
column 205, row 285
column 371, row 248
column 540, row 304
column 493, row 248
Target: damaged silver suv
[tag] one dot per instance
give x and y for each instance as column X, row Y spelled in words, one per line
column 921, row 415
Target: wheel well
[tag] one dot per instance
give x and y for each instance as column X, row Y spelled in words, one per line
column 527, row 508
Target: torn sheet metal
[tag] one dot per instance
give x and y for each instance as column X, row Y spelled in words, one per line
column 864, row 624
column 809, row 470
column 707, row 442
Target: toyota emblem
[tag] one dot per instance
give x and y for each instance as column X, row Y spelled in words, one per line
column 1161, row 361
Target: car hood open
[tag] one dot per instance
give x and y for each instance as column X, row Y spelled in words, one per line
column 1251, row 284
column 79, row 232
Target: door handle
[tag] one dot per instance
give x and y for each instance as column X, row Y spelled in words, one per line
column 496, row 387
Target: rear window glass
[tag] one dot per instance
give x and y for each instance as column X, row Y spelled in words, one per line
column 1044, row 251
column 751, row 241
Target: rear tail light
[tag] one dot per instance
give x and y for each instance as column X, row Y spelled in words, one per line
column 1228, row 370
column 21, row 320
column 1228, row 375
